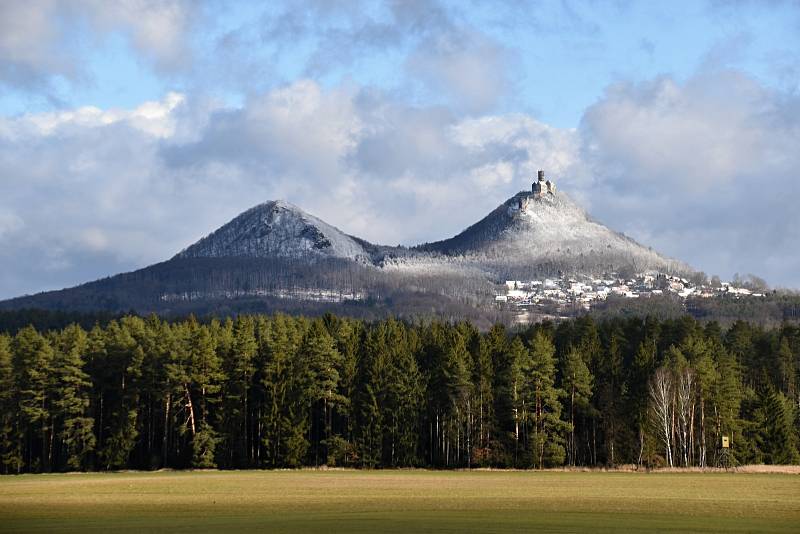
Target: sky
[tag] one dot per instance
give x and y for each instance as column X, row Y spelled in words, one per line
column 130, row 129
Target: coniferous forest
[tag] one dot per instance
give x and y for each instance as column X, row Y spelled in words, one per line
column 281, row 391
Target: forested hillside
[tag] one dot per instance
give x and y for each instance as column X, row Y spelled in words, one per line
column 279, row 391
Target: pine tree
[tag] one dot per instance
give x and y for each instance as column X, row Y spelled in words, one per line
column 288, row 380
column 577, row 383
column 173, row 397
column 239, row 368
column 727, row 399
column 204, row 377
column 508, row 397
column 449, row 390
column 204, row 444
column 707, row 379
column 276, row 381
column 72, row 398
column 587, row 334
column 456, row 374
column 124, row 359
column 496, row 341
column 739, row 342
column 699, row 354
column 751, row 448
column 322, row 361
column 347, row 336
column 786, row 367
column 402, row 394
column 155, row 394
column 10, row 452
column 32, row 362
column 544, row 404
column 778, row 435
column 369, row 425
column 611, row 390
column 642, row 369
column 389, row 397
column 483, row 379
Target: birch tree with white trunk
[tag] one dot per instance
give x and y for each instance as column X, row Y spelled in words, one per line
column 661, row 390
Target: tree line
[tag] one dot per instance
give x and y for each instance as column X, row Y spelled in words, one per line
column 278, row 391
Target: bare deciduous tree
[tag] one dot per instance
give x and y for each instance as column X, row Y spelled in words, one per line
column 661, row 392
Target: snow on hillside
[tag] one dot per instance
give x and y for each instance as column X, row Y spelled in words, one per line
column 525, row 232
column 277, row 229
column 551, row 229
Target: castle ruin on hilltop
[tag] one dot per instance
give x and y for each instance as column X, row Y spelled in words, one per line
column 539, row 189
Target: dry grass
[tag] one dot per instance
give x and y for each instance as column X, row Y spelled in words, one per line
column 632, row 468
column 401, row 501
column 787, row 469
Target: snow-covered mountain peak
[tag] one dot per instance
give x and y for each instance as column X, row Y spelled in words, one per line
column 277, row 229
column 548, row 209
column 533, row 228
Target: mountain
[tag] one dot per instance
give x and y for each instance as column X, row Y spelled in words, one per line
column 278, row 229
column 530, row 231
column 275, row 256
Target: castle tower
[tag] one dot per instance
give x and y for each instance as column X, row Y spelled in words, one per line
column 542, row 186
column 538, row 187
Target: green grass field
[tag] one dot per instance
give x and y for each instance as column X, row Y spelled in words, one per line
column 400, row 501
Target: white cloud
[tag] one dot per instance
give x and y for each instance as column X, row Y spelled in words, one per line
column 705, row 169
column 157, row 28
column 154, row 118
column 10, row 224
column 41, row 40
column 29, row 36
column 465, row 65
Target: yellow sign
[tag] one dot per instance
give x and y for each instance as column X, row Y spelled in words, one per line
column 725, row 442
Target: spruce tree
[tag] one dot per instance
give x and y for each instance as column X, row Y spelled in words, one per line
column 32, row 362
column 155, row 394
column 786, row 369
column 347, row 335
column 239, row 369
column 124, row 359
column 10, row 452
column 72, row 398
column 611, row 391
column 642, row 369
column 544, row 409
column 323, row 361
column 727, row 399
column 368, row 433
column 276, row 381
column 401, row 394
column 779, row 439
column 577, row 384
column 508, row 398
column 204, row 378
column 483, row 379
